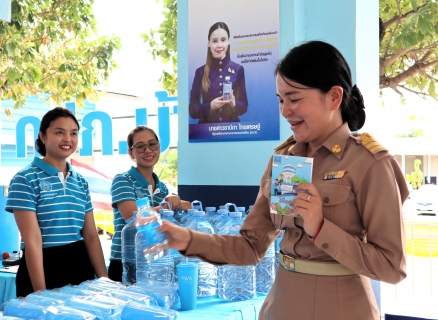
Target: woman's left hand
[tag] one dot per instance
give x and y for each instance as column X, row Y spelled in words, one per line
column 309, row 207
column 174, row 200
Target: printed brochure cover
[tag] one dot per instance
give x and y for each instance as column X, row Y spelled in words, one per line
column 288, row 172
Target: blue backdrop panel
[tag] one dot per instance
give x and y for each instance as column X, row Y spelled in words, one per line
column 8, row 227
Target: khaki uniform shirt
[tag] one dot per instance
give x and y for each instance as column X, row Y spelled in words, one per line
column 363, row 230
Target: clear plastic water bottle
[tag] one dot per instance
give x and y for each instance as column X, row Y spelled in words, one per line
column 129, row 261
column 207, row 273
column 220, row 219
column 210, row 212
column 235, row 282
column 247, row 212
column 188, row 217
column 227, row 88
column 177, row 257
column 154, row 263
column 277, row 250
column 266, row 270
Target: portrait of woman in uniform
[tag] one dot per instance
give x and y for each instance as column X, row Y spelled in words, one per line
column 207, row 101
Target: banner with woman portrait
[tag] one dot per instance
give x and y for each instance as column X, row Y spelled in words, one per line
column 233, row 51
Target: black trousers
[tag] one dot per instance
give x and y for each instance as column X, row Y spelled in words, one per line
column 115, row 270
column 63, row 265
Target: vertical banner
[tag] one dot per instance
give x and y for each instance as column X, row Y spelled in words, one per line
column 234, row 47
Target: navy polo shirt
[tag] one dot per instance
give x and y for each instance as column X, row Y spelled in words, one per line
column 60, row 205
column 130, row 186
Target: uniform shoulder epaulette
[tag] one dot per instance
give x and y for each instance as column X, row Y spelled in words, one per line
column 289, row 142
column 371, row 144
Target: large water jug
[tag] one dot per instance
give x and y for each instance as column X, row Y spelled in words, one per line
column 220, row 219
column 168, row 215
column 185, row 220
column 154, row 263
column 210, row 212
column 266, row 270
column 235, row 282
column 197, row 205
column 177, row 257
column 129, row 232
column 207, row 273
column 247, row 212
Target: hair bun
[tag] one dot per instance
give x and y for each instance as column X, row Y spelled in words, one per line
column 357, row 98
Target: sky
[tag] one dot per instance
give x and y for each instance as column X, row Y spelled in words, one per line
column 137, row 72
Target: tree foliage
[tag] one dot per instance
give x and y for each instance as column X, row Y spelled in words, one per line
column 409, row 46
column 164, row 45
column 416, row 177
column 50, row 48
column 167, row 167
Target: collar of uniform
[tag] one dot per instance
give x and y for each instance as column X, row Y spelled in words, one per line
column 225, row 60
column 49, row 169
column 340, row 138
column 139, row 177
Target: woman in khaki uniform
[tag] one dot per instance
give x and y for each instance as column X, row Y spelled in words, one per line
column 350, row 226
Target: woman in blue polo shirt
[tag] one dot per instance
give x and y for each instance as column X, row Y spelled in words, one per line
column 136, row 183
column 52, row 207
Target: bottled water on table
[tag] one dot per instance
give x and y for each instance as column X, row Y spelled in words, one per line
column 210, row 212
column 220, row 219
column 154, row 263
column 129, row 232
column 227, row 88
column 266, row 270
column 177, row 257
column 207, row 273
column 235, row 282
column 247, row 212
column 188, row 217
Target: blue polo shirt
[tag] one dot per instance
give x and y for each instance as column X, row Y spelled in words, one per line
column 60, row 205
column 130, row 186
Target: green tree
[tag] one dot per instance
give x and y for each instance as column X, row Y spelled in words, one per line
column 163, row 45
column 409, row 46
column 416, row 177
column 167, row 168
column 51, row 49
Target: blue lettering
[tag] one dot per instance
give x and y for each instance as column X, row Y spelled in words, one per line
column 107, row 133
column 20, row 134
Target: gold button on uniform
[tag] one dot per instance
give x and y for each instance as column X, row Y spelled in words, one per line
column 336, row 148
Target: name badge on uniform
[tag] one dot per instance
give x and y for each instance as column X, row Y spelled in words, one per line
column 334, row 175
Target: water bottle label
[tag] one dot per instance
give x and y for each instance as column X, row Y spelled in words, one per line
column 150, row 234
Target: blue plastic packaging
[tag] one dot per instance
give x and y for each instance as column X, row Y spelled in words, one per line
column 129, row 232
column 22, row 309
column 235, row 282
column 136, row 311
column 207, row 273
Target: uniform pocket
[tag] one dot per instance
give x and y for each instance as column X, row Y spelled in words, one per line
column 338, row 203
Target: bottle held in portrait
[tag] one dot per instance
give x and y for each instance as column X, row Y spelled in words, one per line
column 288, row 172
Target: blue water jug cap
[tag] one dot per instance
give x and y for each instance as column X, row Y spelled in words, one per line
column 241, row 209
column 143, row 202
column 222, row 211
column 223, row 207
column 199, row 213
column 210, row 209
column 191, row 211
column 236, row 214
column 250, row 207
column 167, row 212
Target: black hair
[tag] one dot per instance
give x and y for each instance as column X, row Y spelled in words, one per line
column 46, row 122
column 130, row 139
column 319, row 65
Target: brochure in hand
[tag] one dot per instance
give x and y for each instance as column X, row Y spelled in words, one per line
column 288, row 172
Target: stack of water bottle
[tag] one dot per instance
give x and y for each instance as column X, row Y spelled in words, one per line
column 229, row 282
column 99, row 299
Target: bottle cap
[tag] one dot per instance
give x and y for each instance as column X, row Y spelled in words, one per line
column 210, row 209
column 167, row 212
column 227, row 78
column 222, row 211
column 143, row 202
column 241, row 209
column 199, row 213
column 236, row 214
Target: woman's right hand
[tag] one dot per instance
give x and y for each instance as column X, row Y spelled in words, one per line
column 218, row 103
column 177, row 237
